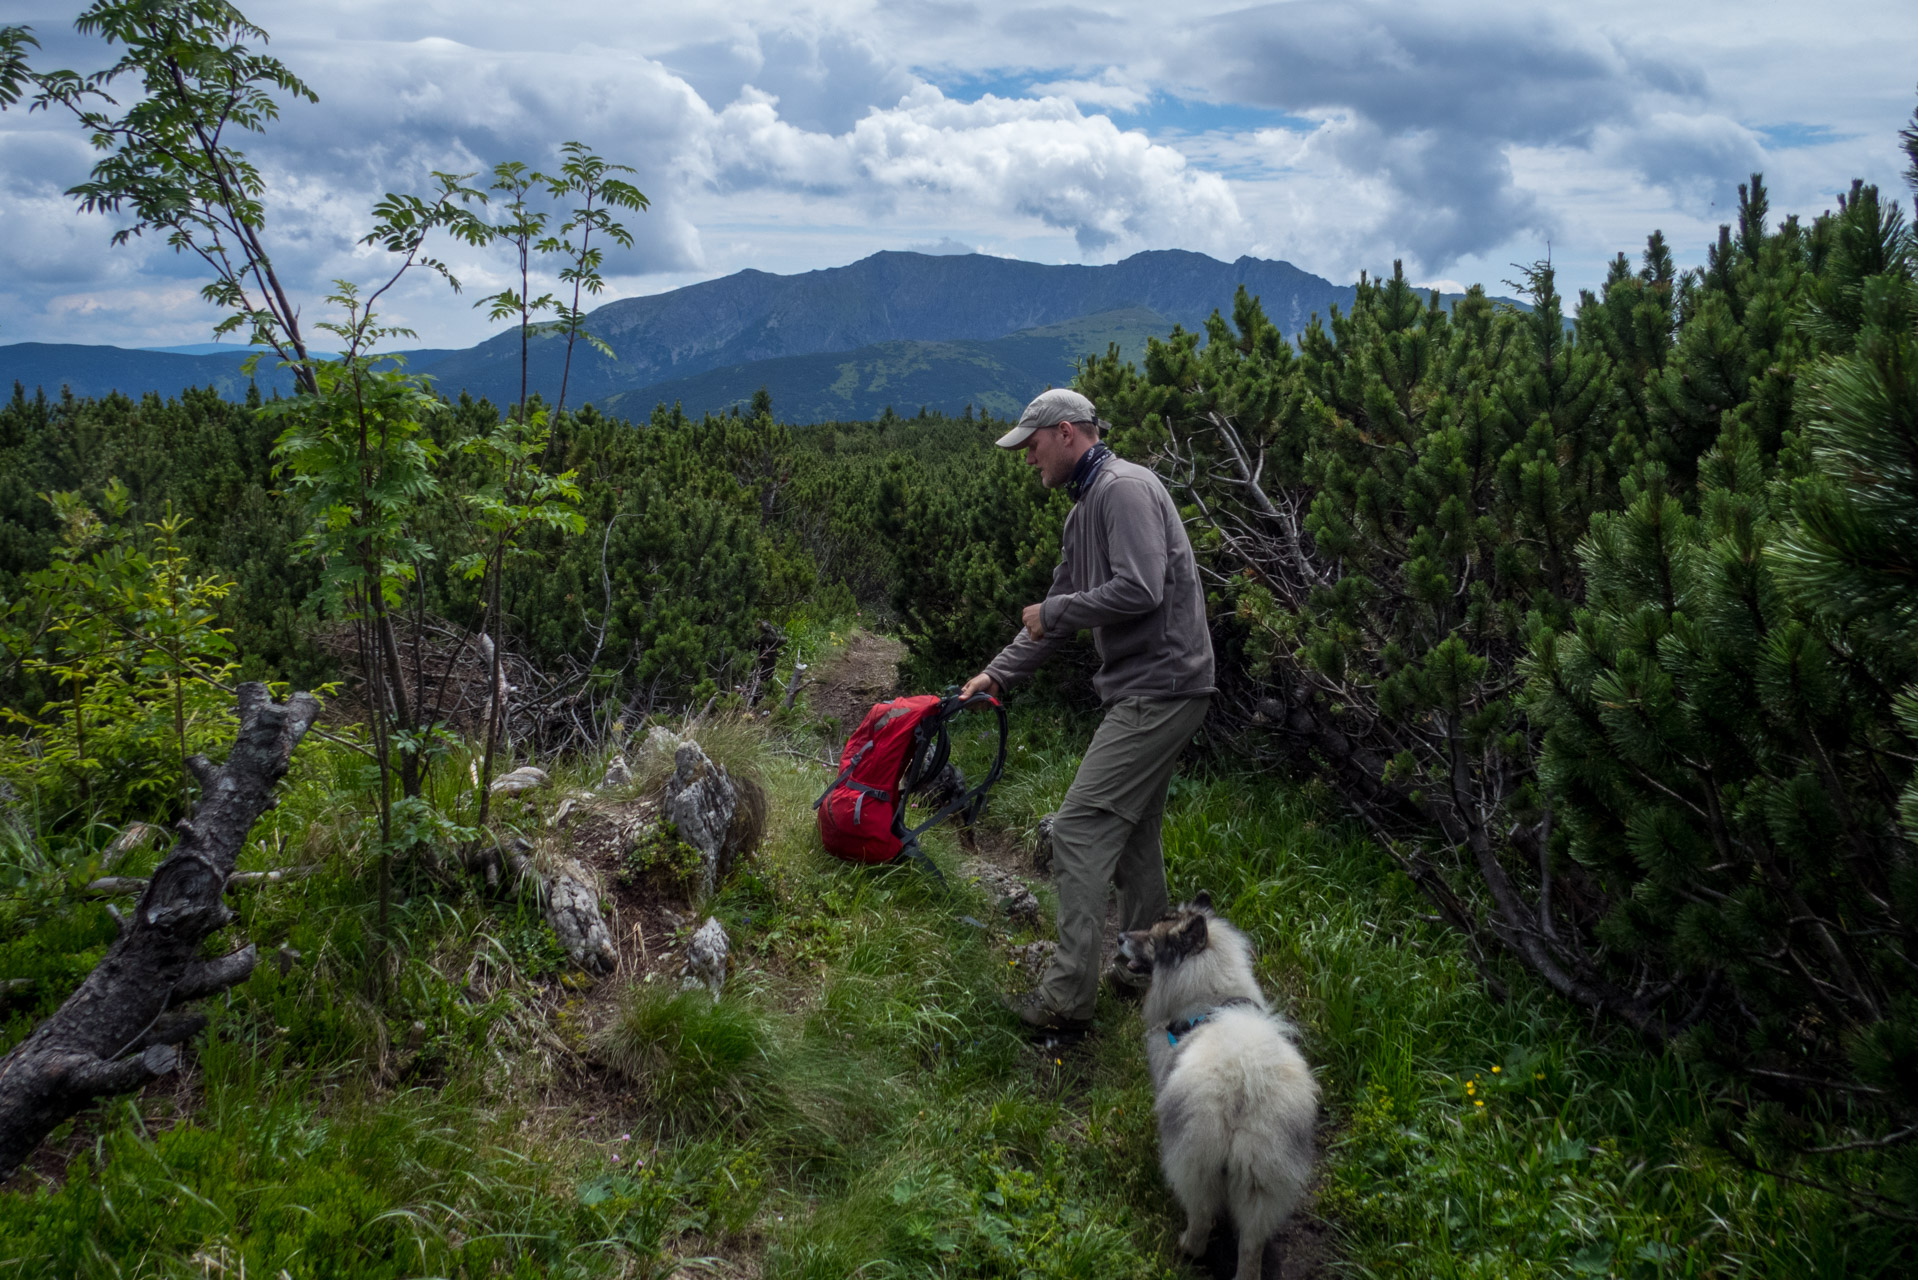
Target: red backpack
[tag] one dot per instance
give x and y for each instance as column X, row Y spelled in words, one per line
column 899, row 748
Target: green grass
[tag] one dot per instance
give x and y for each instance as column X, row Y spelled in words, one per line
column 857, row 1103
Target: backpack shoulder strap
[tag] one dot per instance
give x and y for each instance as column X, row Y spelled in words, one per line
column 843, row 774
column 972, row 795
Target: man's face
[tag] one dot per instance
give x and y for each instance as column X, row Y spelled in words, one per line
column 1055, row 451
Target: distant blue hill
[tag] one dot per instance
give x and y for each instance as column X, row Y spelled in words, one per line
column 101, row 371
column 205, row 349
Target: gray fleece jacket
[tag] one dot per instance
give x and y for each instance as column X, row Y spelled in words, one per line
column 1127, row 572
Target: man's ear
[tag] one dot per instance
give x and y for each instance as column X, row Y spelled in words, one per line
column 1204, row 901
column 1190, row 938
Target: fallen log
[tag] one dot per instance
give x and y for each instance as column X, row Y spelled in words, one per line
column 247, row 879
column 115, row 1034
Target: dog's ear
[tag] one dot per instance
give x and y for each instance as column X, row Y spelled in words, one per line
column 1189, row 939
column 1203, row 901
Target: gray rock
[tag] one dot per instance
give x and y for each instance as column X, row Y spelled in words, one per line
column 1033, row 957
column 1014, row 897
column 572, row 908
column 519, row 781
column 706, row 958
column 700, row 800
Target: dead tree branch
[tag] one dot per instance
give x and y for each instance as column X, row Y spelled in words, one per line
column 113, row 1035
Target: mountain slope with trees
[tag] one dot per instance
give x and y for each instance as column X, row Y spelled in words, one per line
column 995, row 377
column 888, row 297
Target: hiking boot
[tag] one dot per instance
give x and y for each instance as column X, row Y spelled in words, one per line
column 1037, row 1015
column 1124, row 983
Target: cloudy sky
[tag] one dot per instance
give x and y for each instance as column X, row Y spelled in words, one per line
column 1460, row 136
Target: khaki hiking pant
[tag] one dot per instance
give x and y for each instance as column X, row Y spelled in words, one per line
column 1107, row 833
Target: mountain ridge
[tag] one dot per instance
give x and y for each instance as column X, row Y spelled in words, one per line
column 949, row 329
column 889, row 296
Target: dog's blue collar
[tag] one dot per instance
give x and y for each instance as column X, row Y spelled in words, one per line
column 1184, row 1026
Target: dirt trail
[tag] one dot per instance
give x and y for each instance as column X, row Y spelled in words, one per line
column 864, row 672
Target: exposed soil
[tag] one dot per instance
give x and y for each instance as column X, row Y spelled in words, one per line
column 1302, row 1250
column 864, row 672
column 1007, row 866
column 998, row 863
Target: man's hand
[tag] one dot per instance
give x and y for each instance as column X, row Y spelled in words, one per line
column 1034, row 627
column 981, row 683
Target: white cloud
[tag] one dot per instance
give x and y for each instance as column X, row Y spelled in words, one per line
column 1043, row 159
column 1113, row 90
column 946, row 247
column 788, row 137
column 823, row 78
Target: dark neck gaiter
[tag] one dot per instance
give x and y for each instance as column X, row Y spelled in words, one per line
column 1086, row 469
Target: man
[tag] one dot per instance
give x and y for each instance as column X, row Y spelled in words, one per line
column 1126, row 572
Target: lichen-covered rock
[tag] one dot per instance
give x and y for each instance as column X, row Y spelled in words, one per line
column 700, row 801
column 519, row 781
column 706, row 958
column 572, row 908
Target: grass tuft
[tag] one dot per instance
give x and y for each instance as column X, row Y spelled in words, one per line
column 692, row 1057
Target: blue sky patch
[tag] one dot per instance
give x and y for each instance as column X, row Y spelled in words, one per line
column 1795, row 133
column 1186, row 115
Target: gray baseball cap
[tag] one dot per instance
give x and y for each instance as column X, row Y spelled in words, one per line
column 1048, row 408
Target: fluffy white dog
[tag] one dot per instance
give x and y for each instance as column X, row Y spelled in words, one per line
column 1236, row 1101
